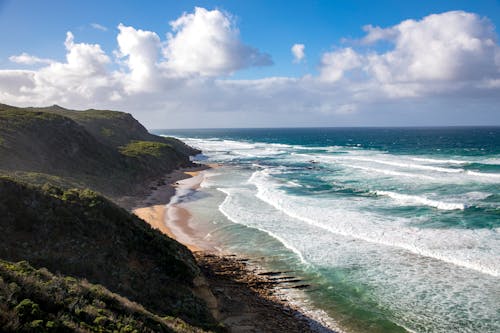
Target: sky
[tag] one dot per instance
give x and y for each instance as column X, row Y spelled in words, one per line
column 216, row 64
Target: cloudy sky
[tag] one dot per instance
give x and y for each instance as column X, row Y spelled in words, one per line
column 187, row 64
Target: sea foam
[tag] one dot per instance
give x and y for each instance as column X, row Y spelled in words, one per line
column 455, row 245
column 420, row 200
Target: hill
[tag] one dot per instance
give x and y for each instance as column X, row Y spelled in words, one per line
column 107, row 151
column 81, row 234
column 87, row 264
column 37, row 300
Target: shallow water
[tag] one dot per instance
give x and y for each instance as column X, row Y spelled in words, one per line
column 396, row 229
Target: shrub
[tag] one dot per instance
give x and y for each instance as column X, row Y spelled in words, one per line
column 27, row 309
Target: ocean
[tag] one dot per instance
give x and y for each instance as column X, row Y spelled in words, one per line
column 395, row 229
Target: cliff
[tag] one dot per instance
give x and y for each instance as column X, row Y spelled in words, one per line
column 108, row 151
column 85, row 264
column 82, row 234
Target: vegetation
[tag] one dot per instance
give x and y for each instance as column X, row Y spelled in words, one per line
column 114, row 128
column 138, row 148
column 43, row 178
column 107, row 132
column 111, row 272
column 82, row 234
column 102, row 150
column 37, row 300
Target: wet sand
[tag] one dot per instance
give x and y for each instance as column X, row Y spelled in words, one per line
column 242, row 298
column 170, row 218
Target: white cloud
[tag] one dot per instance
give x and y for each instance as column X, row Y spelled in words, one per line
column 428, row 69
column 141, row 49
column 147, row 65
column 375, row 34
column 207, row 43
column 16, row 83
column 298, row 52
column 98, row 26
column 440, row 49
column 86, row 59
column 26, row 59
column 335, row 64
column 82, row 77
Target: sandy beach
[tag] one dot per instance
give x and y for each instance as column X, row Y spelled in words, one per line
column 167, row 217
column 240, row 296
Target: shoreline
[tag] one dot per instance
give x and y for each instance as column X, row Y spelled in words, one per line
column 169, row 218
column 239, row 293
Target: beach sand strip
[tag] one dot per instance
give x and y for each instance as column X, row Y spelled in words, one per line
column 241, row 298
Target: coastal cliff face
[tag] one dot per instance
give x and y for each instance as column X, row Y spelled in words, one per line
column 108, row 151
column 91, row 265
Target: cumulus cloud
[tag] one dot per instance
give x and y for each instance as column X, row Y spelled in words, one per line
column 203, row 44
column 375, row 34
column 26, row 59
column 450, row 46
column 86, row 59
column 82, row 77
column 439, row 51
column 16, row 83
column 208, row 43
column 449, row 59
column 141, row 50
column 298, row 52
column 335, row 64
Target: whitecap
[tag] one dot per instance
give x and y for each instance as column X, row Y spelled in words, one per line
column 421, row 200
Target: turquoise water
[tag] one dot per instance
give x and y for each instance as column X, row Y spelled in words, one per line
column 396, row 229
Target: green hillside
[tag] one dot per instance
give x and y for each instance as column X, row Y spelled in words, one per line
column 101, row 150
column 34, row 300
column 81, row 234
column 114, row 128
column 84, row 263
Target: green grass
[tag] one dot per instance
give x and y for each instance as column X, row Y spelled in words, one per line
column 90, row 114
column 81, row 234
column 11, row 117
column 37, row 300
column 95, row 114
column 107, row 132
column 48, row 157
column 141, row 148
column 108, row 151
column 38, row 178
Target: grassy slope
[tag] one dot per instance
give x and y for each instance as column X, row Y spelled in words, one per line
column 115, row 128
column 82, row 234
column 37, row 300
column 78, row 233
column 83, row 149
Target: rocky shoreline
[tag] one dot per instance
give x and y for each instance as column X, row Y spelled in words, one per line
column 240, row 295
column 249, row 301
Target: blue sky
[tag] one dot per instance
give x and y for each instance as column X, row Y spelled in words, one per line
column 349, row 75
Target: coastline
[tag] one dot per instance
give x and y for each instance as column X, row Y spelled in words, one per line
column 240, row 295
column 170, row 219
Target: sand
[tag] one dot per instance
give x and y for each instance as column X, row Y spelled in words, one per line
column 171, row 219
column 239, row 296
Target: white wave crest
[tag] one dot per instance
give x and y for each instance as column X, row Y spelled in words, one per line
column 472, row 249
column 392, row 172
column 439, row 161
column 419, row 200
column 231, row 217
column 484, row 174
column 407, row 165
